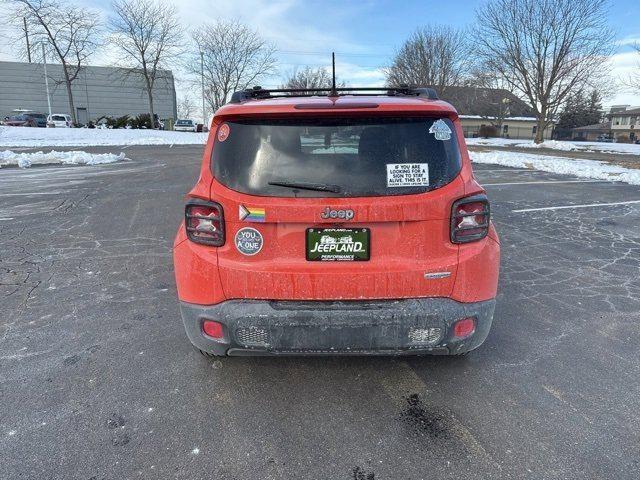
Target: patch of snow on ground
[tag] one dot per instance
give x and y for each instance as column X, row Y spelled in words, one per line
column 604, row 147
column 25, row 160
column 561, row 165
column 80, row 137
column 552, row 144
column 622, row 148
column 492, row 142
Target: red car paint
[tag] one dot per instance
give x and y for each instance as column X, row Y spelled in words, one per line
column 410, row 234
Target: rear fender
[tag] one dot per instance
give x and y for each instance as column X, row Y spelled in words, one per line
column 196, row 271
column 478, row 269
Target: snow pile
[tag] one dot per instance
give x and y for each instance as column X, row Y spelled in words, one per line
column 561, row 165
column 492, row 142
column 76, row 137
column 25, row 160
column 604, row 147
column 552, row 144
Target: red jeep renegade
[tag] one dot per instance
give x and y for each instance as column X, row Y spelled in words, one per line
column 349, row 223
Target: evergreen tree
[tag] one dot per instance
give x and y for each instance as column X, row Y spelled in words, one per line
column 580, row 110
column 594, row 109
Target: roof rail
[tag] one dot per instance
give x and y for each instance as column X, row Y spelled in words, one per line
column 257, row 92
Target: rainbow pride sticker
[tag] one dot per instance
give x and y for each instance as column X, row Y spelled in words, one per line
column 252, row 214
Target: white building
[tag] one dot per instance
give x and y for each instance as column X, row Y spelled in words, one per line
column 97, row 92
column 625, row 123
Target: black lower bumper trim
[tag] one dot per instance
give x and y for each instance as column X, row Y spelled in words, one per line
column 391, row 327
column 241, row 352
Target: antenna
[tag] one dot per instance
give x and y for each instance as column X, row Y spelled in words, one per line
column 334, row 92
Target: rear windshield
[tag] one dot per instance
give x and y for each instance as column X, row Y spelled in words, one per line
column 58, row 118
column 39, row 116
column 184, row 122
column 344, row 157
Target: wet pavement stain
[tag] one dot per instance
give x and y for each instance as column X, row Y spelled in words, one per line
column 71, row 360
column 360, row 474
column 115, row 421
column 126, row 327
column 426, row 421
column 120, row 439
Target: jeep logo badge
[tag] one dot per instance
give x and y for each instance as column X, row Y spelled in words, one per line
column 342, row 214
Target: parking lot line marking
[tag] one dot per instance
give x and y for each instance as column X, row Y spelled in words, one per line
column 545, row 182
column 566, row 207
column 28, row 194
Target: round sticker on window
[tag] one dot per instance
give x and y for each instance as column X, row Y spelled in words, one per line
column 248, row 241
column 223, row 132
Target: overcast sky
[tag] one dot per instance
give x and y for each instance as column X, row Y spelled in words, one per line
column 363, row 33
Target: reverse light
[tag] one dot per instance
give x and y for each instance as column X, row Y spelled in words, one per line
column 464, row 328
column 425, row 336
column 470, row 219
column 212, row 329
column 204, row 222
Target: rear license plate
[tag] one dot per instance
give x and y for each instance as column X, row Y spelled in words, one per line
column 337, row 244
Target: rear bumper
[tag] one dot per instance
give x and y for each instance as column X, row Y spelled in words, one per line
column 389, row 327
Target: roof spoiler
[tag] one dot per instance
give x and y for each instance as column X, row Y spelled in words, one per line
column 258, row 93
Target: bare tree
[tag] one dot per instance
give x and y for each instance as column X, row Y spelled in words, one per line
column 186, row 107
column 311, row 78
column 435, row 56
column 492, row 96
column 545, row 49
column 233, row 57
column 633, row 81
column 69, row 34
column 148, row 36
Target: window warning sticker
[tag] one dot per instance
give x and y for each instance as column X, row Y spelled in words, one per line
column 407, row 175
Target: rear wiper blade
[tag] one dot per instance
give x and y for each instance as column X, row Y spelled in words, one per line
column 320, row 187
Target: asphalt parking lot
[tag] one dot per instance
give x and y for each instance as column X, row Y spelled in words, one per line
column 98, row 379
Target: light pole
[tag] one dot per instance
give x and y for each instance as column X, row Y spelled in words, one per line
column 26, row 36
column 204, row 113
column 46, row 78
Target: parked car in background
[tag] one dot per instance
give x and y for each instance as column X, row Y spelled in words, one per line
column 59, row 120
column 605, row 139
column 185, row 126
column 39, row 118
column 26, row 120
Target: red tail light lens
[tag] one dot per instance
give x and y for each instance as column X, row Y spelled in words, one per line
column 464, row 328
column 204, row 222
column 212, row 329
column 470, row 219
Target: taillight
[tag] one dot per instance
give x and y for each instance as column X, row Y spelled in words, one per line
column 212, row 329
column 470, row 219
column 464, row 328
column 204, row 222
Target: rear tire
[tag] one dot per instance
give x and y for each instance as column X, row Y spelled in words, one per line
column 207, row 354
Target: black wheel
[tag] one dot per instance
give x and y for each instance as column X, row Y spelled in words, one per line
column 207, row 354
